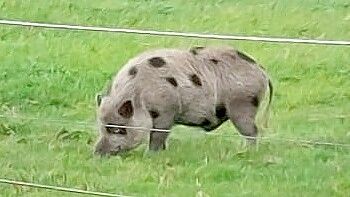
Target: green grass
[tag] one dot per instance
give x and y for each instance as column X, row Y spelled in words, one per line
column 55, row 74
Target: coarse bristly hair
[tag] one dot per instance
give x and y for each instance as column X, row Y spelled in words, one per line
column 203, row 86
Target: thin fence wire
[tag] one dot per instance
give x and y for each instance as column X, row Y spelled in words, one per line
column 56, row 188
column 177, row 34
column 290, row 140
column 143, row 129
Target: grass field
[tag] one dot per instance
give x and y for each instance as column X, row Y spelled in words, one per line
column 50, row 74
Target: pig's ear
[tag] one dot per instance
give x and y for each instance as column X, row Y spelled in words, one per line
column 126, row 110
column 98, row 99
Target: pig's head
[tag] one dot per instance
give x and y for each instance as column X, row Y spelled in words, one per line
column 122, row 113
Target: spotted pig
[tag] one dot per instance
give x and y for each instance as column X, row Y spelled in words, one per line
column 202, row 86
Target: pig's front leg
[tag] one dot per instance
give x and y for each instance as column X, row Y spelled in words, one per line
column 157, row 141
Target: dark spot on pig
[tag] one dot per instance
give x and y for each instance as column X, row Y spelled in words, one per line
column 196, row 80
column 157, row 62
column 195, row 50
column 220, row 111
column 133, row 71
column 255, row 101
column 172, row 81
column 215, row 61
column 154, row 114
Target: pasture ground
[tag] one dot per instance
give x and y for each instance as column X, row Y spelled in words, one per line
column 50, row 74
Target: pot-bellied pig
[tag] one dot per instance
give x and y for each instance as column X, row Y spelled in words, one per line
column 203, row 86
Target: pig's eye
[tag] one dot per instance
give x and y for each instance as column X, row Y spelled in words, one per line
column 121, row 131
column 111, row 130
column 115, row 130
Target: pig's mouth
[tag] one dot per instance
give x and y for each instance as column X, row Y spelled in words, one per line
column 119, row 151
column 113, row 152
column 116, row 151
